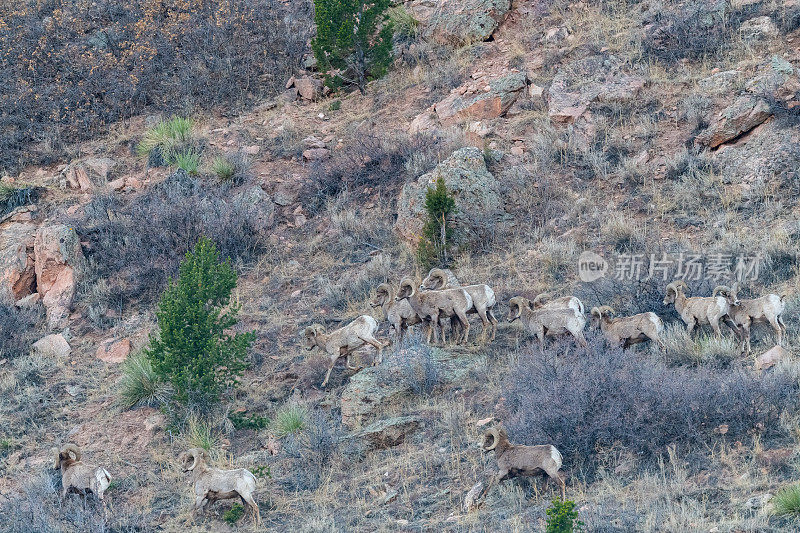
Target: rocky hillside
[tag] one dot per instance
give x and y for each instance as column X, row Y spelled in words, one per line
column 661, row 136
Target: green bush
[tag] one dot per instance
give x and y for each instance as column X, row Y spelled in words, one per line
column 290, row 419
column 233, row 515
column 787, row 500
column 562, row 517
column 195, row 349
column 354, row 41
column 223, row 168
column 437, row 233
column 139, row 384
column 167, row 135
column 188, row 160
column 244, row 421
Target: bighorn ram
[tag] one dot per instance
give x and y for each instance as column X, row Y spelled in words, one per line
column 400, row 314
column 630, row 329
column 747, row 312
column 483, row 299
column 700, row 310
column 432, row 306
column 344, row 341
column 212, row 484
column 517, row 460
column 547, row 322
column 78, row 476
column 540, row 302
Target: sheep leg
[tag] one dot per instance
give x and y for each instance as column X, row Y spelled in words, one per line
column 377, row 345
column 493, row 320
column 745, row 338
column 327, row 376
column 580, row 338
column 690, row 326
column 777, row 328
column 462, row 317
column 251, row 503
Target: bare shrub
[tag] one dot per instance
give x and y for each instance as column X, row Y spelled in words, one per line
column 311, row 452
column 692, row 31
column 74, row 67
column 137, row 245
column 412, row 367
column 19, row 328
column 602, row 396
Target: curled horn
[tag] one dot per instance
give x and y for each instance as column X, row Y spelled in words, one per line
column 489, row 445
column 407, row 282
column 596, row 312
column 517, row 301
column 438, row 273
column 607, row 309
column 71, row 448
column 195, row 454
column 676, row 285
column 721, row 289
column 539, row 300
column 384, row 287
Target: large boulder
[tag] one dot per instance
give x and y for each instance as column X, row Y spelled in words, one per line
column 259, row 205
column 59, row 263
column 743, row 115
column 365, row 394
column 88, row 173
column 595, row 78
column 17, row 274
column 387, row 433
column 475, row 190
column 758, row 28
column 466, row 21
column 52, row 346
column 487, row 100
column 770, row 153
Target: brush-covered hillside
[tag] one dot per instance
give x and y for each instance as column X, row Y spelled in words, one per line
column 601, row 150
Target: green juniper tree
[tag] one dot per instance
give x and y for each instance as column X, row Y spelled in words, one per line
column 195, row 350
column 354, row 41
column 437, row 233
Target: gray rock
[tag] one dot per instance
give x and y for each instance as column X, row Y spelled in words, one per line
column 259, row 204
column 720, row 82
column 387, row 433
column 17, row 275
column 743, row 115
column 758, row 28
column 595, row 78
column 55, row 346
column 466, row 21
column 364, row 395
column 772, row 153
column 475, row 190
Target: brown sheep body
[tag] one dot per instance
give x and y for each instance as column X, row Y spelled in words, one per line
column 78, row 476
column 344, row 341
column 744, row 313
column 434, row 306
column 400, row 315
column 211, row 484
column 546, row 322
column 516, row 460
column 630, row 329
column 483, row 297
column 699, row 310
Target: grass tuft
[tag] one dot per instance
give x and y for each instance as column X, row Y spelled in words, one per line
column 290, row 419
column 223, row 169
column 139, row 385
column 166, row 135
column 787, row 500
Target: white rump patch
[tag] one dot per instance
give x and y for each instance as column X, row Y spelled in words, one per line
column 556, row 455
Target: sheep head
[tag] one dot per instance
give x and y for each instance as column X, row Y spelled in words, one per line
column 515, row 306
column 190, row 458
column 382, row 294
column 64, row 454
column 437, row 279
column 726, row 292
column 599, row 313
column 407, row 289
column 492, row 438
column 673, row 289
column 311, row 333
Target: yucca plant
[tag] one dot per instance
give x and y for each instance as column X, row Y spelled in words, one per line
column 223, row 168
column 139, row 385
column 166, row 136
column 787, row 500
column 290, row 418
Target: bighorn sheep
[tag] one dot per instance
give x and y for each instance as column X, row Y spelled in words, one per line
column 211, row 484
column 540, row 302
column 547, row 322
column 630, row 329
column 483, row 299
column 432, row 306
column 745, row 313
column 400, row 315
column 515, row 460
column 344, row 341
column 78, row 476
column 700, row 310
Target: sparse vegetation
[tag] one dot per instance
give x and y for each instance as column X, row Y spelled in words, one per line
column 223, row 168
column 291, row 418
column 18, row 330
